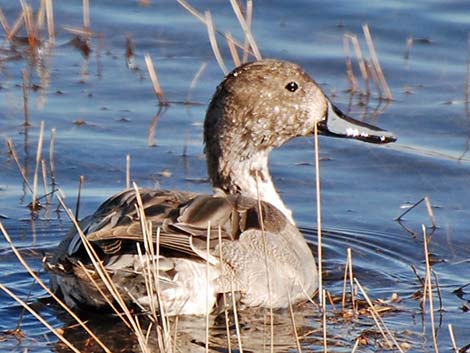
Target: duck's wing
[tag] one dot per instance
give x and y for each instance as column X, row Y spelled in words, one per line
column 182, row 221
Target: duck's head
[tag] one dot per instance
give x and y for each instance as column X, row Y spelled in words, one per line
column 263, row 104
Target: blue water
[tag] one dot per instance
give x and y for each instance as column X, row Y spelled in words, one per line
column 364, row 187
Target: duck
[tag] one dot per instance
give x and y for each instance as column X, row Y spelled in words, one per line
column 241, row 240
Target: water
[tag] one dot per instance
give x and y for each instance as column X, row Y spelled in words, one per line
column 364, row 187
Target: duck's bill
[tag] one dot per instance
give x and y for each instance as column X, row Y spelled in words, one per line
column 337, row 124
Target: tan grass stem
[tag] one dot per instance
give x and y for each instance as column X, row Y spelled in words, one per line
column 249, row 19
column 213, row 41
column 22, row 170
column 452, row 338
column 324, row 327
column 319, row 218
column 33, row 274
column 208, row 241
column 40, row 319
column 376, row 63
column 50, row 20
column 294, row 326
column 51, row 157
column 224, row 294
column 38, row 163
column 349, row 70
column 265, row 251
column 162, row 101
column 233, row 49
column 378, row 320
column 4, row 23
column 16, row 27
column 246, row 29
column 429, row 290
column 194, row 81
column 128, row 171
column 86, row 15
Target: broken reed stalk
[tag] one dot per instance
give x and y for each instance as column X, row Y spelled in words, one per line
column 29, row 24
column 50, row 21
column 38, row 163
column 153, row 127
column 202, row 18
column 429, row 289
column 208, row 241
column 235, row 318
column 349, row 70
column 128, row 171
column 40, row 319
column 33, row 274
column 348, row 272
column 16, row 27
column 249, row 19
column 319, row 220
column 22, row 170
column 40, row 16
column 4, row 23
column 360, row 60
column 294, row 326
column 233, row 49
column 265, row 251
column 51, row 158
column 323, row 309
column 162, row 101
column 378, row 320
column 452, row 338
column 213, row 41
column 227, row 318
column 375, row 61
column 427, row 202
column 44, row 179
column 246, row 29
column 194, row 81
column 26, row 97
column 79, row 195
column 86, row 15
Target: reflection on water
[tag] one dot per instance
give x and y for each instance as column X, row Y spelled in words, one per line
column 98, row 106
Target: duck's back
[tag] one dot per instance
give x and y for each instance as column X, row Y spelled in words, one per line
column 207, row 245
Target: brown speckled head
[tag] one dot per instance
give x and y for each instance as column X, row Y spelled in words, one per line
column 261, row 105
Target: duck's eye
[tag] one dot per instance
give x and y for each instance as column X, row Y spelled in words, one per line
column 292, row 86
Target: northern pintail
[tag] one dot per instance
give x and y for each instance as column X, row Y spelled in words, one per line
column 261, row 255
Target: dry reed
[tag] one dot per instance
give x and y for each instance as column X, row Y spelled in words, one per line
column 50, row 21
column 33, row 274
column 428, row 290
column 128, row 171
column 34, row 202
column 319, row 218
column 213, row 41
column 162, row 101
column 375, row 61
column 378, row 320
column 233, row 49
column 246, row 29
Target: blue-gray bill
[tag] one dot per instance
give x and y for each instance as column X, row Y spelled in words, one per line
column 338, row 124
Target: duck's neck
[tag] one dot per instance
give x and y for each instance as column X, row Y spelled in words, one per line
column 247, row 175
